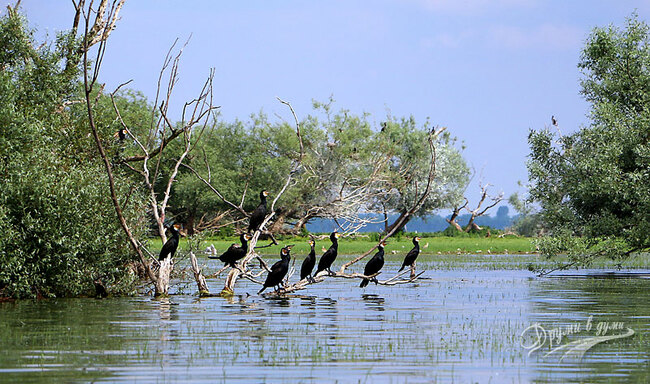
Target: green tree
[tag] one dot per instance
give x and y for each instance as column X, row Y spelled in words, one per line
column 237, row 157
column 349, row 168
column 58, row 235
column 406, row 142
column 594, row 185
column 528, row 222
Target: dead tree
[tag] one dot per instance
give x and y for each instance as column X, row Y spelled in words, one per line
column 454, row 215
column 193, row 118
column 96, row 33
column 195, row 113
column 477, row 212
column 90, row 80
column 353, row 194
column 416, row 204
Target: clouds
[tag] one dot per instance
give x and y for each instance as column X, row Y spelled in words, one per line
column 446, row 40
column 497, row 24
column 471, row 6
column 545, row 37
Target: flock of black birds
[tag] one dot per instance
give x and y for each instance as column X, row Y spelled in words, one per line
column 279, row 270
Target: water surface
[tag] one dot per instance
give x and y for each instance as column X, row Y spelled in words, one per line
column 457, row 326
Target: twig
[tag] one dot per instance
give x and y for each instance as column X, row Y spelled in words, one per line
column 396, row 282
column 216, row 191
column 263, row 264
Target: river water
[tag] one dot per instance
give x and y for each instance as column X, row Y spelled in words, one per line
column 456, row 326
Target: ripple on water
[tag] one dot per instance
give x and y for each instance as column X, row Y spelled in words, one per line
column 457, row 326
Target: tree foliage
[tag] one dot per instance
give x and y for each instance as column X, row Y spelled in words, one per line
column 58, row 234
column 528, row 222
column 349, row 168
column 404, row 140
column 594, row 185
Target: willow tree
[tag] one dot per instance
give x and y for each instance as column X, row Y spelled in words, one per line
column 594, row 185
column 58, row 233
column 403, row 139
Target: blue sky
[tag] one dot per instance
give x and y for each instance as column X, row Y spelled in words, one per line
column 488, row 70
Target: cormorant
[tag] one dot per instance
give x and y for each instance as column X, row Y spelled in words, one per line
column 169, row 249
column 374, row 265
column 308, row 263
column 120, row 134
column 412, row 255
column 329, row 256
column 235, row 252
column 278, row 270
column 257, row 217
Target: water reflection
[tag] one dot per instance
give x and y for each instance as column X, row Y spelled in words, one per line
column 373, row 302
column 279, row 301
column 589, row 303
column 307, row 301
column 460, row 326
column 164, row 308
column 235, row 299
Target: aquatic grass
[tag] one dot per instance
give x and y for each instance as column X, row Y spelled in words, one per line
column 465, row 262
column 459, row 324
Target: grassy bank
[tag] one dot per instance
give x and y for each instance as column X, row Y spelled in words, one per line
column 441, row 253
column 428, row 245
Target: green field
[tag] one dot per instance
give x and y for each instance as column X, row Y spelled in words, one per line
column 441, row 253
column 428, row 245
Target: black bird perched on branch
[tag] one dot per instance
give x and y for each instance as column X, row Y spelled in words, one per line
column 120, row 134
column 278, row 270
column 257, row 217
column 329, row 256
column 308, row 263
column 374, row 265
column 412, row 255
column 169, row 249
column 235, row 252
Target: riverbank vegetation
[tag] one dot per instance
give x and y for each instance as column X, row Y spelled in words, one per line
column 58, row 233
column 92, row 177
column 431, row 244
column 593, row 185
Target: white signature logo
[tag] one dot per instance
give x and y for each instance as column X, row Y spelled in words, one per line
column 577, row 348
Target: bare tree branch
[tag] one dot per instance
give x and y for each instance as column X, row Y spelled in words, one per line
column 216, row 191
column 417, row 203
column 234, row 273
column 476, row 212
column 88, row 87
